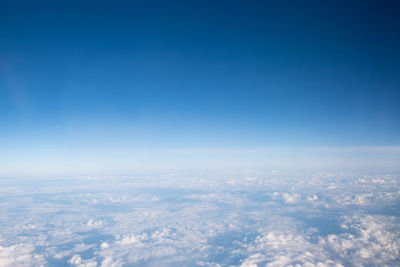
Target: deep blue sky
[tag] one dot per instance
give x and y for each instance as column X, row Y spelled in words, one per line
column 215, row 74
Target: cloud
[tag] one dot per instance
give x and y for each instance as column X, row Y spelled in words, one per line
column 277, row 218
column 109, row 262
column 375, row 240
column 132, row 239
column 95, row 223
column 79, row 262
column 20, row 255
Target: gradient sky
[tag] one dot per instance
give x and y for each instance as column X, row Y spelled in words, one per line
column 123, row 75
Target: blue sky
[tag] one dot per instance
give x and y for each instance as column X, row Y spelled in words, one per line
column 90, row 76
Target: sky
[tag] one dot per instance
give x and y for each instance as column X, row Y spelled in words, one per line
column 114, row 86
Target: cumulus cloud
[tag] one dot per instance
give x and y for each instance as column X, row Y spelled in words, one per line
column 109, row 262
column 374, row 241
column 20, row 255
column 78, row 261
column 95, row 223
column 232, row 219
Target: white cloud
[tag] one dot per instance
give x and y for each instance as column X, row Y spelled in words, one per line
column 79, row 262
column 376, row 242
column 290, row 198
column 104, row 245
column 129, row 239
column 308, row 219
column 95, row 223
column 109, row 262
column 76, row 259
column 20, row 255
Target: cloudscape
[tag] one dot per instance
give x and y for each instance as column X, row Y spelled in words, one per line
column 199, row 133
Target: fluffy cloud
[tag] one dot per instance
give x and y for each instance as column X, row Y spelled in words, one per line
column 20, row 255
column 231, row 219
column 374, row 240
column 95, row 223
column 78, row 261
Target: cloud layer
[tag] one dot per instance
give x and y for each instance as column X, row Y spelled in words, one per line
column 209, row 219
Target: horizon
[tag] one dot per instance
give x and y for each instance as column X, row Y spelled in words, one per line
column 239, row 133
column 93, row 76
